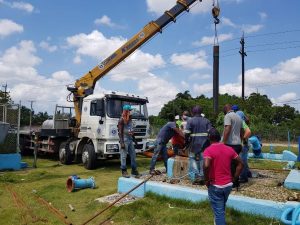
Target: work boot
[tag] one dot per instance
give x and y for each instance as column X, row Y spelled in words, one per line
column 135, row 173
column 198, row 181
column 152, row 172
column 125, row 174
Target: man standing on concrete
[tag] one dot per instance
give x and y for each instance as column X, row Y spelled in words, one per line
column 197, row 140
column 218, row 178
column 233, row 132
column 125, row 129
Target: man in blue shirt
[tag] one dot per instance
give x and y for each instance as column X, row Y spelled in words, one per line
column 163, row 137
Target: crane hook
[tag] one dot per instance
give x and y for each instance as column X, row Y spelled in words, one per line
column 215, row 13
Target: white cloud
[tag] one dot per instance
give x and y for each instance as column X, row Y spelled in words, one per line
column 227, row 22
column 95, row 44
column 136, row 67
column 50, row 48
column 285, row 98
column 184, row 84
column 17, row 69
column 210, row 40
column 197, row 76
column 8, row 27
column 204, row 89
column 106, row 21
column 285, row 72
column 23, row 6
column 262, row 15
column 158, row 7
column 191, row 61
column 19, row 5
column 158, row 91
column 248, row 29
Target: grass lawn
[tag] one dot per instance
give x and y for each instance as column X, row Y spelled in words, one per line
column 279, row 149
column 49, row 179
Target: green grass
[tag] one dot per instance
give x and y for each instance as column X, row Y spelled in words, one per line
column 279, row 149
column 49, row 179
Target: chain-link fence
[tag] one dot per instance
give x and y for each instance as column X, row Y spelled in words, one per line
column 9, row 128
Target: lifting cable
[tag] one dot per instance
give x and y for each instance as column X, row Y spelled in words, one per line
column 215, row 13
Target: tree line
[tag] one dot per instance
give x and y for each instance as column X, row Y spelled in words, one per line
column 271, row 122
column 36, row 118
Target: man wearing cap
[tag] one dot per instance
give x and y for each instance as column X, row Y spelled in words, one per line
column 233, row 131
column 218, row 178
column 163, row 137
column 125, row 129
column 245, row 148
column 197, row 140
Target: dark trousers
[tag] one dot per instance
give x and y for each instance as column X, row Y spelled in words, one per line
column 237, row 149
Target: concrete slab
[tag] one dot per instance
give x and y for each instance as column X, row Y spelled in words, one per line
column 293, row 180
column 267, row 208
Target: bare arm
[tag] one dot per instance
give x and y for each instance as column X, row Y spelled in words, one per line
column 206, row 168
column 121, row 132
column 239, row 168
column 227, row 130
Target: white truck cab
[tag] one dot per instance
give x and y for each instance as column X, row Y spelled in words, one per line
column 98, row 136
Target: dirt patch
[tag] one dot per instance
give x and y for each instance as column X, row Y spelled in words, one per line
column 111, row 198
column 265, row 184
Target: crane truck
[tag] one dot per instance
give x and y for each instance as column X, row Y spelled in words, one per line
column 92, row 133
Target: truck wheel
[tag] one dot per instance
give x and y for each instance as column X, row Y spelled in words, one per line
column 89, row 157
column 65, row 156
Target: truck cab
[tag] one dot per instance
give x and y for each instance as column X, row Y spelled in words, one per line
column 98, row 136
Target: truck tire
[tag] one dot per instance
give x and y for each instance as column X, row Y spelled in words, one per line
column 65, row 156
column 89, row 156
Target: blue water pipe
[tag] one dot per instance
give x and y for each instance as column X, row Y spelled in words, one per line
column 74, row 183
column 291, row 216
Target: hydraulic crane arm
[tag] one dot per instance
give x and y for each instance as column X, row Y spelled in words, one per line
column 85, row 85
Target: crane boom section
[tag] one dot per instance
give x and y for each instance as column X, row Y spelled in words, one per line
column 85, row 85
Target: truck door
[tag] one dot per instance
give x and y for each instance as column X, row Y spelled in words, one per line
column 93, row 119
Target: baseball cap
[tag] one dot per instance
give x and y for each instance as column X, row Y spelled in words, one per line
column 177, row 117
column 235, row 107
column 127, row 107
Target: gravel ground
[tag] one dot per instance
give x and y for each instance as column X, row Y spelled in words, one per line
column 265, row 184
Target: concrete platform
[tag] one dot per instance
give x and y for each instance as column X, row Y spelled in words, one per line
column 293, row 180
column 285, row 156
column 266, row 208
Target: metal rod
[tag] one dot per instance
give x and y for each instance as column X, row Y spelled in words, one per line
column 113, row 203
column 59, row 214
column 216, row 79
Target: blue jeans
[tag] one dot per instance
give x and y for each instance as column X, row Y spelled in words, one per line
column 218, row 198
column 195, row 166
column 244, row 157
column 129, row 148
column 161, row 147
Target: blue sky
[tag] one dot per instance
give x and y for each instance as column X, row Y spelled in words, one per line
column 46, row 45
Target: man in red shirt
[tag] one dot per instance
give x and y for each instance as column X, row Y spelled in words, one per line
column 217, row 173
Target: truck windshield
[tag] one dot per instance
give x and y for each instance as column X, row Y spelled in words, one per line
column 115, row 106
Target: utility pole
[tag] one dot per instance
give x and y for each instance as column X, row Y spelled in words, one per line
column 30, row 118
column 243, row 54
column 5, row 92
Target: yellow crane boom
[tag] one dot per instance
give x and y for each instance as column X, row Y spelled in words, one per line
column 85, row 85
